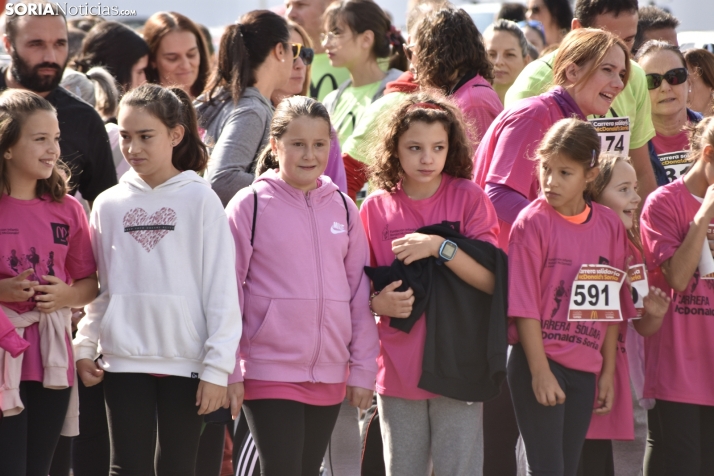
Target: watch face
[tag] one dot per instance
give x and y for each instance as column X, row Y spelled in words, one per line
column 449, row 250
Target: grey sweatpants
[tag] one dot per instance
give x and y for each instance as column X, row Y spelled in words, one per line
column 439, row 433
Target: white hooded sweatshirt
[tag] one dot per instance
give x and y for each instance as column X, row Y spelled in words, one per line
column 168, row 301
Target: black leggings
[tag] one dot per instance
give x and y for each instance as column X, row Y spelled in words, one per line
column 135, row 402
column 553, row 436
column 28, row 440
column 500, row 435
column 687, row 438
column 597, row 459
column 291, row 436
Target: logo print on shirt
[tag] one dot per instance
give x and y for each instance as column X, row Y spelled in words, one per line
column 60, row 233
column 338, row 228
column 149, row 230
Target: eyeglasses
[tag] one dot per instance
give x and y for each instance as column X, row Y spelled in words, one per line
column 326, row 37
column 673, row 77
column 303, row 52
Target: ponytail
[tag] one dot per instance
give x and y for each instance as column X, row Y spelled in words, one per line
column 266, row 161
column 172, row 106
column 398, row 58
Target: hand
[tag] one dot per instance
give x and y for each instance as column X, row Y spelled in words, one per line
column 392, row 303
column 656, row 303
column 416, row 246
column 547, row 389
column 235, row 395
column 17, row 289
column 210, row 397
column 90, row 372
column 359, row 397
column 57, row 294
column 605, row 394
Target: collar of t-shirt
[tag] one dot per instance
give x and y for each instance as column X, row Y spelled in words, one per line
column 580, row 218
column 566, row 102
column 666, row 144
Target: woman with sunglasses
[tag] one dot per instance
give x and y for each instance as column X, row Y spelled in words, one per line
column 255, row 59
column 669, row 87
column 554, row 15
column 299, row 85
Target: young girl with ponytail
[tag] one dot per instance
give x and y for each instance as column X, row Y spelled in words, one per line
column 164, row 330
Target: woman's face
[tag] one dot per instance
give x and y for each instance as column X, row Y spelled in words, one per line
column 701, row 96
column 299, row 71
column 505, row 54
column 596, row 94
column 177, row 60
column 534, row 38
column 667, row 100
column 344, row 47
column 539, row 12
column 138, row 72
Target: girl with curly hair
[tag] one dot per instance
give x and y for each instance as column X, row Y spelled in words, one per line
column 422, row 170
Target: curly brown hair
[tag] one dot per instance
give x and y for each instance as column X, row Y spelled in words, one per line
column 386, row 170
column 448, row 46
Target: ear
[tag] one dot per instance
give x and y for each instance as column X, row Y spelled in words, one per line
column 273, row 145
column 528, row 58
column 707, row 152
column 575, row 24
column 7, row 44
column 367, row 40
column 177, row 134
column 592, row 174
column 572, row 73
column 279, row 52
column 8, row 154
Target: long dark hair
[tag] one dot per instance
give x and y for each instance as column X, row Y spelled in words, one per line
column 16, row 105
column 289, row 109
column 172, row 106
column 159, row 25
column 114, row 46
column 363, row 15
column 244, row 47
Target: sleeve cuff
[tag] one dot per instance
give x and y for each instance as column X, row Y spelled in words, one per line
column 214, row 376
column 82, row 352
column 361, row 378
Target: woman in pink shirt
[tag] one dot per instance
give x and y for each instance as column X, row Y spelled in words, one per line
column 553, row 365
column 422, row 170
column 590, row 69
column 677, row 221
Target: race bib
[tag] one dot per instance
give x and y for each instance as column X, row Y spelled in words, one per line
column 595, row 294
column 675, row 164
column 639, row 287
column 614, row 134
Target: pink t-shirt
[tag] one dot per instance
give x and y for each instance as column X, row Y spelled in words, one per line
column 546, row 252
column 389, row 216
column 310, row 393
column 619, row 424
column 505, row 155
column 679, row 357
column 53, row 239
column 667, row 144
column 479, row 104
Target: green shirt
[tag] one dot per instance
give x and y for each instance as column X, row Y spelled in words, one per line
column 359, row 143
column 348, row 111
column 325, row 78
column 633, row 101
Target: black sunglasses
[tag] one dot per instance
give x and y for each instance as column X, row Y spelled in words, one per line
column 673, row 77
column 304, row 53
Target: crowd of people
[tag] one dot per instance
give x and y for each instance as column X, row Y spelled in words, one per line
column 330, row 247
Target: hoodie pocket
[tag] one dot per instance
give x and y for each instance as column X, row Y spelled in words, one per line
column 149, row 325
column 337, row 332
column 288, row 332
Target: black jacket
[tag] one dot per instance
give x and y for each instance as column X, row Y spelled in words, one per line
column 465, row 348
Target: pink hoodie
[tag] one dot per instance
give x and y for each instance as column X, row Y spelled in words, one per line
column 305, row 297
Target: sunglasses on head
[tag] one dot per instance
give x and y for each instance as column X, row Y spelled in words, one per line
column 673, row 77
column 303, row 52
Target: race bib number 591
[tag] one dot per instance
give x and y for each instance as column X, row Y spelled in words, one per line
column 595, row 294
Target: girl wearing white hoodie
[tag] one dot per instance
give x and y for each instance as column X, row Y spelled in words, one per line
column 166, row 324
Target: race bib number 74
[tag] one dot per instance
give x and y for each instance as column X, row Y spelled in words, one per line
column 614, row 134
column 595, row 294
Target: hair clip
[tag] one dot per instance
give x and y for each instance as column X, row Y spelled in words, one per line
column 592, row 161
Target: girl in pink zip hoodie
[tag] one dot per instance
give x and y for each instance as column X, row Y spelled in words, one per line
column 309, row 338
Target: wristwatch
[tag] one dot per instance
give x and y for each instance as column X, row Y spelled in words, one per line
column 447, row 251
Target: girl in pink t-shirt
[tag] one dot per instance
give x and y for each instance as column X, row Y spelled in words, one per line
column 422, row 169
column 46, row 268
column 554, row 357
column 677, row 221
column 616, row 188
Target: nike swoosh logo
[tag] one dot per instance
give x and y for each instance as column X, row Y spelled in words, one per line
column 336, row 231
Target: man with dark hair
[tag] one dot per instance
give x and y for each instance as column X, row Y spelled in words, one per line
column 38, row 48
column 655, row 24
column 620, row 18
column 512, row 11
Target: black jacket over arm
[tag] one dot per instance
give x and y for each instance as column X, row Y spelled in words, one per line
column 465, row 348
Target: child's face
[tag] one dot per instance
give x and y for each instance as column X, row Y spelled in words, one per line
column 302, row 152
column 620, row 195
column 34, row 155
column 563, row 182
column 422, row 151
column 146, row 144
